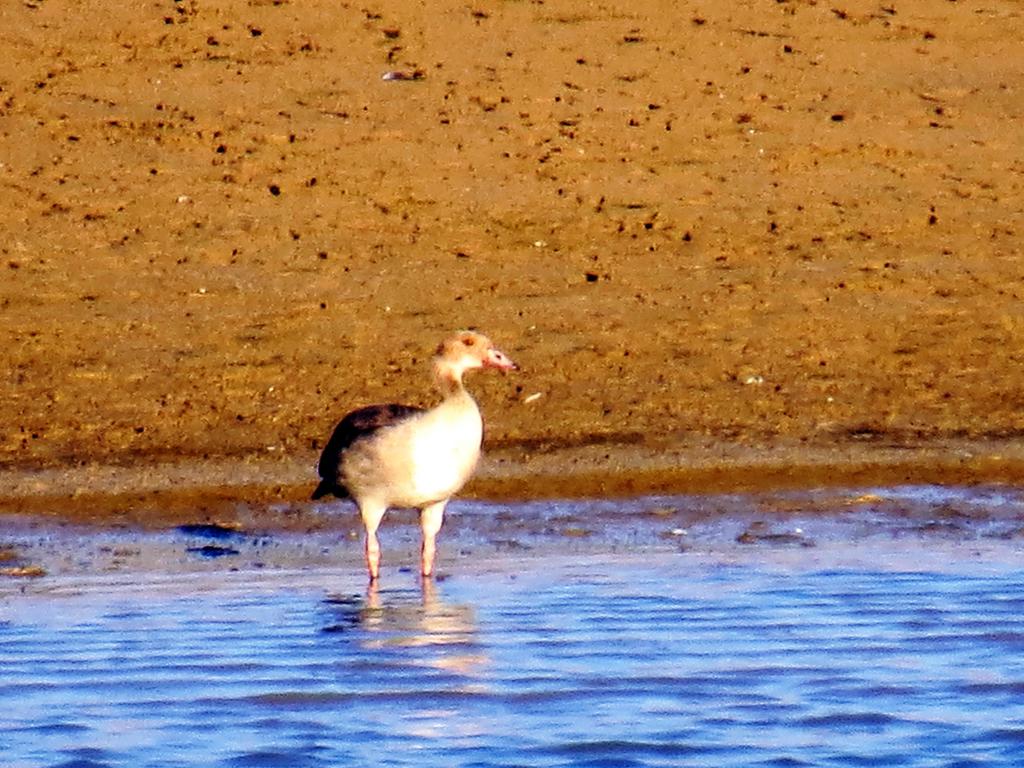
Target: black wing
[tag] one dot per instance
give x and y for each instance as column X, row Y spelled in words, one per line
column 355, row 426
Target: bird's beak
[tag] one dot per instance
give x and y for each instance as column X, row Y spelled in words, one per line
column 498, row 359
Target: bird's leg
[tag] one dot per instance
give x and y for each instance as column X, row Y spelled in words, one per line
column 372, row 556
column 372, row 515
column 431, row 518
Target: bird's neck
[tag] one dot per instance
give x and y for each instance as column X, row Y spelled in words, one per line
column 448, row 379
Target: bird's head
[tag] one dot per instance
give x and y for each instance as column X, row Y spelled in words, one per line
column 467, row 351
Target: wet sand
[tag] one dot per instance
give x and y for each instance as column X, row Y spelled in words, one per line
column 731, row 245
column 275, row 493
column 909, row 526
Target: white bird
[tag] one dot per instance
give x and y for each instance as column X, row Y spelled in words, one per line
column 385, row 456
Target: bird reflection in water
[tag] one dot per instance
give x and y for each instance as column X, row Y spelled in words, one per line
column 390, row 619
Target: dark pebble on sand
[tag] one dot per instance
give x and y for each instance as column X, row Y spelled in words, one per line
column 212, row 550
column 760, row 532
column 210, row 530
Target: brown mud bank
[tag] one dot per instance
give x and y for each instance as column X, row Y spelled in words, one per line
column 779, row 224
column 274, row 494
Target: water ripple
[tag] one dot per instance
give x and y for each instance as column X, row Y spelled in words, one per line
column 662, row 661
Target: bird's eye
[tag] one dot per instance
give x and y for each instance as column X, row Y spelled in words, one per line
column 469, row 341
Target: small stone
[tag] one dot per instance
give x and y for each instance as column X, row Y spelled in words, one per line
column 23, row 571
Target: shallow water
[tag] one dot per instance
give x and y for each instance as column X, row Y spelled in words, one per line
column 894, row 650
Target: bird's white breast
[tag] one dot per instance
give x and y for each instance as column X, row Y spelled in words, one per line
column 445, row 450
column 424, row 459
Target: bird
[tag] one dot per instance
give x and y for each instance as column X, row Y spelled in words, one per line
column 391, row 455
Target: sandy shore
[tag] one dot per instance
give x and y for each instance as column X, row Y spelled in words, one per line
column 729, row 245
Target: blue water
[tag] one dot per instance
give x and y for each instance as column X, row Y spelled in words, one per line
column 662, row 659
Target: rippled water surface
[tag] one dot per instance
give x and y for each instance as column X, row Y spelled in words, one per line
column 907, row 655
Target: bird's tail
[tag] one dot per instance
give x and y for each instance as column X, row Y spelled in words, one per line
column 328, row 488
